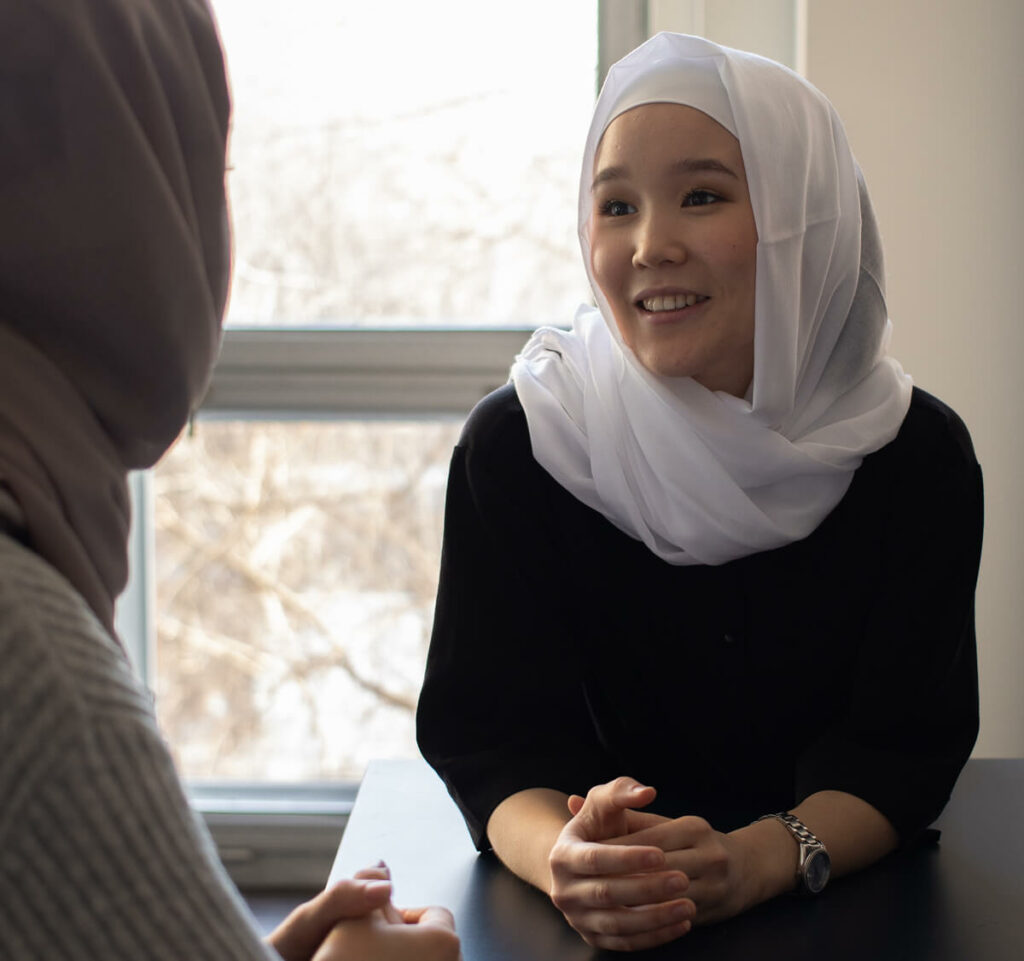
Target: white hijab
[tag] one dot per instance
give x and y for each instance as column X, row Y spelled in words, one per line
column 704, row 477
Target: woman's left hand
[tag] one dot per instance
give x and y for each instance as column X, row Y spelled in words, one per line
column 716, row 864
column 721, row 882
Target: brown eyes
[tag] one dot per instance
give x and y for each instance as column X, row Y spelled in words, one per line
column 616, row 208
column 700, row 198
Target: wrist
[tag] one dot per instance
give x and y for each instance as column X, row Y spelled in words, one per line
column 523, row 831
column 771, row 857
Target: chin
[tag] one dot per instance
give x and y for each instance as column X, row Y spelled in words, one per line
column 666, row 368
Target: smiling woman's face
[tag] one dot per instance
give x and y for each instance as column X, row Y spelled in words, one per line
column 674, row 244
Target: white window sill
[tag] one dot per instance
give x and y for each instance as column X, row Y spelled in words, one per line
column 274, row 837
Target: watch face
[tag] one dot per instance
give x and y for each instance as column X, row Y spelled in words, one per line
column 816, row 871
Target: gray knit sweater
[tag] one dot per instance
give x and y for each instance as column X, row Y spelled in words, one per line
column 100, row 855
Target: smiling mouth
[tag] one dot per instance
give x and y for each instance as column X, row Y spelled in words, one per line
column 657, row 305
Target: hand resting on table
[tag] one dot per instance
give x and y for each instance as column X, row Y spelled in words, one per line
column 617, row 895
column 355, row 919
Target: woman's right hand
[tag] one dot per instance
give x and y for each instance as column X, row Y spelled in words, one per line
column 617, row 897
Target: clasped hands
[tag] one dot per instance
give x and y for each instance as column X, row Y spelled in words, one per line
column 626, row 879
column 355, row 919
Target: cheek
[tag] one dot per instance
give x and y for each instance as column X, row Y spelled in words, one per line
column 606, row 263
column 599, row 268
column 738, row 260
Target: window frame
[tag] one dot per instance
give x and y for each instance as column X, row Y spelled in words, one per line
column 338, row 372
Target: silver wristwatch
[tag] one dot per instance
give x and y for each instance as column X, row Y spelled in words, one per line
column 814, row 866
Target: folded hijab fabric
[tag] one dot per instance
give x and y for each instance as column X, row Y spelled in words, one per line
column 703, row 477
column 114, row 260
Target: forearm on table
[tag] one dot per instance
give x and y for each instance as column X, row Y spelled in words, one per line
column 523, row 830
column 855, row 833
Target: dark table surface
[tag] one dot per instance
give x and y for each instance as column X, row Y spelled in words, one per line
column 959, row 900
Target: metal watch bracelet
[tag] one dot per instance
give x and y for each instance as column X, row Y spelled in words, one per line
column 814, row 865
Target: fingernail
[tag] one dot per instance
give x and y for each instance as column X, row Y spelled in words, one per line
column 677, row 883
column 653, row 859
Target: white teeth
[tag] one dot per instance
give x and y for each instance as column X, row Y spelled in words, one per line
column 671, row 302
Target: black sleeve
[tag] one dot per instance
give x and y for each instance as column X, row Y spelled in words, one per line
column 502, row 707
column 912, row 716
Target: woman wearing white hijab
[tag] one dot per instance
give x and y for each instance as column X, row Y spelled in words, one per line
column 710, row 538
column 114, row 261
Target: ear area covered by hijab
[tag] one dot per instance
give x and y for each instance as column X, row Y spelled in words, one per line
column 703, row 477
column 114, row 260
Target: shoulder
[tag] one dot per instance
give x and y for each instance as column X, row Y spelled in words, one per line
column 495, row 439
column 69, row 700
column 924, row 483
column 495, row 421
column 493, row 464
column 932, row 425
column 39, row 609
column 62, row 670
column 932, row 439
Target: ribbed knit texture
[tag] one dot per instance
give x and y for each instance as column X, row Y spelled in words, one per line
column 101, row 856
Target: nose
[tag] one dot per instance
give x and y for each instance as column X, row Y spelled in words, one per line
column 658, row 242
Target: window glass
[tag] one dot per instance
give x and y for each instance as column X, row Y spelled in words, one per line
column 407, row 163
column 296, row 568
column 394, row 164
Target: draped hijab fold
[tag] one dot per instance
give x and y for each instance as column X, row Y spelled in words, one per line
column 703, row 477
column 114, row 260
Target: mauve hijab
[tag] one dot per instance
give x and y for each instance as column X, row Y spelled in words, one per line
column 700, row 476
column 114, row 261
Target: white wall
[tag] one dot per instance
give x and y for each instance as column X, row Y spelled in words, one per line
column 932, row 95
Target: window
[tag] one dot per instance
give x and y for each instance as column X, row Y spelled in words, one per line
column 403, row 163
column 403, row 189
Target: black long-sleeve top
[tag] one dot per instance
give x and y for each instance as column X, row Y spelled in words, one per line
column 564, row 653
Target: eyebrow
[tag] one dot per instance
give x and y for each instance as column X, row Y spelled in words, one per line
column 690, row 165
